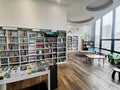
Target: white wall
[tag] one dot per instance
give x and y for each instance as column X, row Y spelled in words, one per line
column 81, row 31
column 32, row 14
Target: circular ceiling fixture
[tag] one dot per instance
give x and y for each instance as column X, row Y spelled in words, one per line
column 99, row 5
column 83, row 21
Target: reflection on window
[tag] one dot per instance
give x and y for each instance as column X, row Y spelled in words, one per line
column 96, row 49
column 106, row 45
column 97, row 33
column 107, row 26
column 117, row 23
column 117, row 46
column 115, row 54
column 105, row 52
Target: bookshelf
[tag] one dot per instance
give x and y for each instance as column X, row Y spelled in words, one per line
column 61, row 47
column 23, row 46
column 72, row 43
column 75, row 43
column 69, row 43
column 87, row 45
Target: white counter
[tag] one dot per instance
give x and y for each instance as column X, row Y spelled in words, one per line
column 23, row 77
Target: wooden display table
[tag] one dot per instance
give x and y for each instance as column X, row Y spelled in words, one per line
column 23, row 77
column 91, row 57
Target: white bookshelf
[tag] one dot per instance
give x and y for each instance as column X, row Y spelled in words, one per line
column 72, row 43
column 26, row 46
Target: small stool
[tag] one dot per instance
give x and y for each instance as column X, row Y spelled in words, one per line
column 114, row 71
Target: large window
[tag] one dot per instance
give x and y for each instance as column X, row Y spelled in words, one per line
column 117, row 31
column 108, row 43
column 97, row 33
column 107, row 26
column 117, row 24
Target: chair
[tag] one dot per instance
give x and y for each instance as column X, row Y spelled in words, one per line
column 114, row 72
column 114, row 59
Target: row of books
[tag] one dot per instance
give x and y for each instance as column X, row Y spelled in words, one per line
column 48, row 56
column 54, row 50
column 50, row 39
column 61, row 50
column 40, row 40
column 23, row 40
column 61, row 54
column 39, row 45
column 61, row 59
column 39, row 51
column 4, row 61
column 48, row 45
column 13, row 47
column 32, row 58
column 9, row 54
column 31, row 47
column 48, row 51
column 24, row 59
column 12, row 40
column 54, row 55
column 62, row 40
column 23, row 46
column 3, row 40
column 23, row 34
column 54, row 44
column 40, row 57
column 14, row 60
column 12, row 33
column 61, row 44
column 25, row 52
column 3, row 47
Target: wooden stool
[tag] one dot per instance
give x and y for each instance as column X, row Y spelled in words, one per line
column 114, row 71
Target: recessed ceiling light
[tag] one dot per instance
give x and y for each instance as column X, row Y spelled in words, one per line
column 58, row 1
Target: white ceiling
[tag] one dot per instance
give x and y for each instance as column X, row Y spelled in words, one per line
column 77, row 12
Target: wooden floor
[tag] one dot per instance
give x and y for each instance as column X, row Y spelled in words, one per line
column 78, row 74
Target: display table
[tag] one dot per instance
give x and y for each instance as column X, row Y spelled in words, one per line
column 94, row 56
column 23, row 77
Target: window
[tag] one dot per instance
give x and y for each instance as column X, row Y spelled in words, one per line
column 105, row 52
column 117, row 46
column 106, row 44
column 96, row 49
column 107, row 41
column 117, row 24
column 117, row 31
column 97, row 33
column 107, row 26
